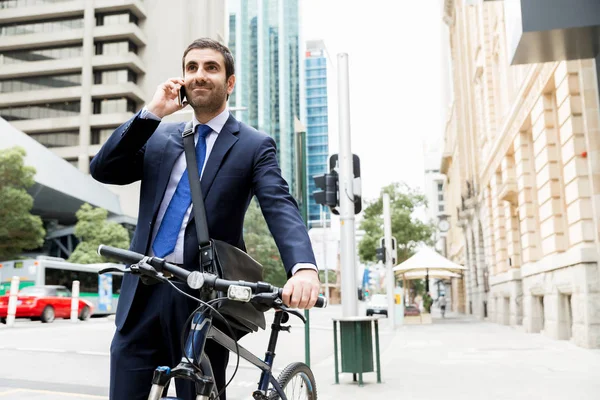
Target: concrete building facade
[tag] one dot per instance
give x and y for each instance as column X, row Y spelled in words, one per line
column 71, row 71
column 522, row 178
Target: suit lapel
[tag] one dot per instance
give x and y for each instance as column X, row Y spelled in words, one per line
column 170, row 152
column 225, row 139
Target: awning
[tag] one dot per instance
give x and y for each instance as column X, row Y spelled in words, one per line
column 432, row 273
column 427, row 259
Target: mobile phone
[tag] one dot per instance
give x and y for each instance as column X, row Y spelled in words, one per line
column 182, row 96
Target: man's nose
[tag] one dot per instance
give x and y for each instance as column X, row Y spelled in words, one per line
column 200, row 75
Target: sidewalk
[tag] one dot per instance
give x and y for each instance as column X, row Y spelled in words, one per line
column 462, row 358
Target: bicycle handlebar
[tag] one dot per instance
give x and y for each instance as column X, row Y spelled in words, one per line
column 194, row 279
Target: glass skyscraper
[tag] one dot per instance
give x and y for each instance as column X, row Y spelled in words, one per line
column 264, row 40
column 317, row 132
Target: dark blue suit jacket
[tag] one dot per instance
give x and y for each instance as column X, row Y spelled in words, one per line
column 241, row 164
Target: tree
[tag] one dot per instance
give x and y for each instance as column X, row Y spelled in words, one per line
column 408, row 231
column 19, row 229
column 93, row 229
column 261, row 246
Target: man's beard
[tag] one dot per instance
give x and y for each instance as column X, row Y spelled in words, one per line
column 212, row 102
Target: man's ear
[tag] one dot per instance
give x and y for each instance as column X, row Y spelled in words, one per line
column 230, row 84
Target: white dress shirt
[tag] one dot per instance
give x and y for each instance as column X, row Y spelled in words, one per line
column 216, row 124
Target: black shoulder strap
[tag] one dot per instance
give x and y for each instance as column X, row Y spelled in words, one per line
column 206, row 250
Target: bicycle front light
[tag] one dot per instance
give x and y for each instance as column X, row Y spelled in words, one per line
column 239, row 293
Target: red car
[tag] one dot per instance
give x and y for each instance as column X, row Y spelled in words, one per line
column 45, row 303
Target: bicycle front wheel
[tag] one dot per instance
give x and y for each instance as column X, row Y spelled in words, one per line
column 297, row 382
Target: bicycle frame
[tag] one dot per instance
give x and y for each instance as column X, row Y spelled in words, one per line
column 201, row 330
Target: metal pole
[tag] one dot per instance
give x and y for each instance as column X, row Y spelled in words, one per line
column 348, row 245
column 323, row 225
column 301, row 186
column 11, row 311
column 387, row 231
column 75, row 301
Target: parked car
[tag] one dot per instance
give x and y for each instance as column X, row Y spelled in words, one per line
column 45, row 303
column 377, row 305
column 411, row 310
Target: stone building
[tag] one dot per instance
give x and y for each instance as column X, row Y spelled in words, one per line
column 521, row 160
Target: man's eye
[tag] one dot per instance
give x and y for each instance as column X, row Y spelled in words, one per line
column 212, row 67
column 191, row 67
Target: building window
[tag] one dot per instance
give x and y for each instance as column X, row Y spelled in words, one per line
column 38, row 111
column 440, row 197
column 49, row 26
column 107, row 106
column 40, row 82
column 57, row 139
column 55, row 53
column 441, row 208
column 114, row 76
column 99, row 136
column 120, row 18
column 440, row 187
column 115, row 48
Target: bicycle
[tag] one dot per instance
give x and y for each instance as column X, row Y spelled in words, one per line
column 195, row 365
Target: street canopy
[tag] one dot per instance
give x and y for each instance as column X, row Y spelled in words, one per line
column 425, row 260
column 432, row 273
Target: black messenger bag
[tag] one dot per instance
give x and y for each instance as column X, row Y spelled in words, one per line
column 221, row 258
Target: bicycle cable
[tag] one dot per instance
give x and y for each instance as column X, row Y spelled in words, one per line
column 229, row 328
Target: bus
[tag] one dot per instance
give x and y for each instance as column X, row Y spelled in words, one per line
column 100, row 290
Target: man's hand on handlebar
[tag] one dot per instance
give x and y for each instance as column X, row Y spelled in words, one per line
column 302, row 289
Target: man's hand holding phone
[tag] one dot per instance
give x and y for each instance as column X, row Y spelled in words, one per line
column 167, row 99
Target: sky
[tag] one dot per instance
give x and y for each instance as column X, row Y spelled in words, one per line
column 395, row 80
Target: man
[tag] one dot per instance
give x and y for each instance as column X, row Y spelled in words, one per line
column 237, row 162
column 442, row 303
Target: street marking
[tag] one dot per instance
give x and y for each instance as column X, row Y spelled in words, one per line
column 62, row 351
column 88, row 396
column 10, row 392
column 41, row 350
column 93, row 353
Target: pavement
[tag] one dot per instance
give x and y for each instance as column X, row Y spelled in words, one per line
column 463, row 358
column 453, row 358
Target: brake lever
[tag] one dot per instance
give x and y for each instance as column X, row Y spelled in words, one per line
column 124, row 270
column 149, row 274
column 268, row 299
column 292, row 312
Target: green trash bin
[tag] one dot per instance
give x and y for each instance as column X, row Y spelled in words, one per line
column 356, row 344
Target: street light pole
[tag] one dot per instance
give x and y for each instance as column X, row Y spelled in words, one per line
column 387, row 248
column 346, row 194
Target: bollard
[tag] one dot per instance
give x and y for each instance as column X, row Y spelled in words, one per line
column 75, row 302
column 12, row 301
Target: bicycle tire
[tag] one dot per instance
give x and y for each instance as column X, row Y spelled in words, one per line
column 287, row 376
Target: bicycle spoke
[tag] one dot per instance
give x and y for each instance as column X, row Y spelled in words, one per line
column 298, row 387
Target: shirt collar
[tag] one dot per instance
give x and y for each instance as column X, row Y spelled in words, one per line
column 216, row 124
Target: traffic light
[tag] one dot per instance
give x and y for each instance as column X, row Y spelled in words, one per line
column 392, row 251
column 357, row 185
column 328, row 195
column 380, row 254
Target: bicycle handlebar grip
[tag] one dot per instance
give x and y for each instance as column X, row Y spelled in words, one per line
column 125, row 256
column 321, row 301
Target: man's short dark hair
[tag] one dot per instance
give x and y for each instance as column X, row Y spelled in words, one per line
column 207, row 43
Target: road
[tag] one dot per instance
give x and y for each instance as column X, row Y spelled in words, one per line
column 74, row 358
column 456, row 358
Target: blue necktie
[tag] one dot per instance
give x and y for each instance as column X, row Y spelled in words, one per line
column 166, row 238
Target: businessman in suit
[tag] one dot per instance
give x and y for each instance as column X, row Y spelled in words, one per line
column 235, row 162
